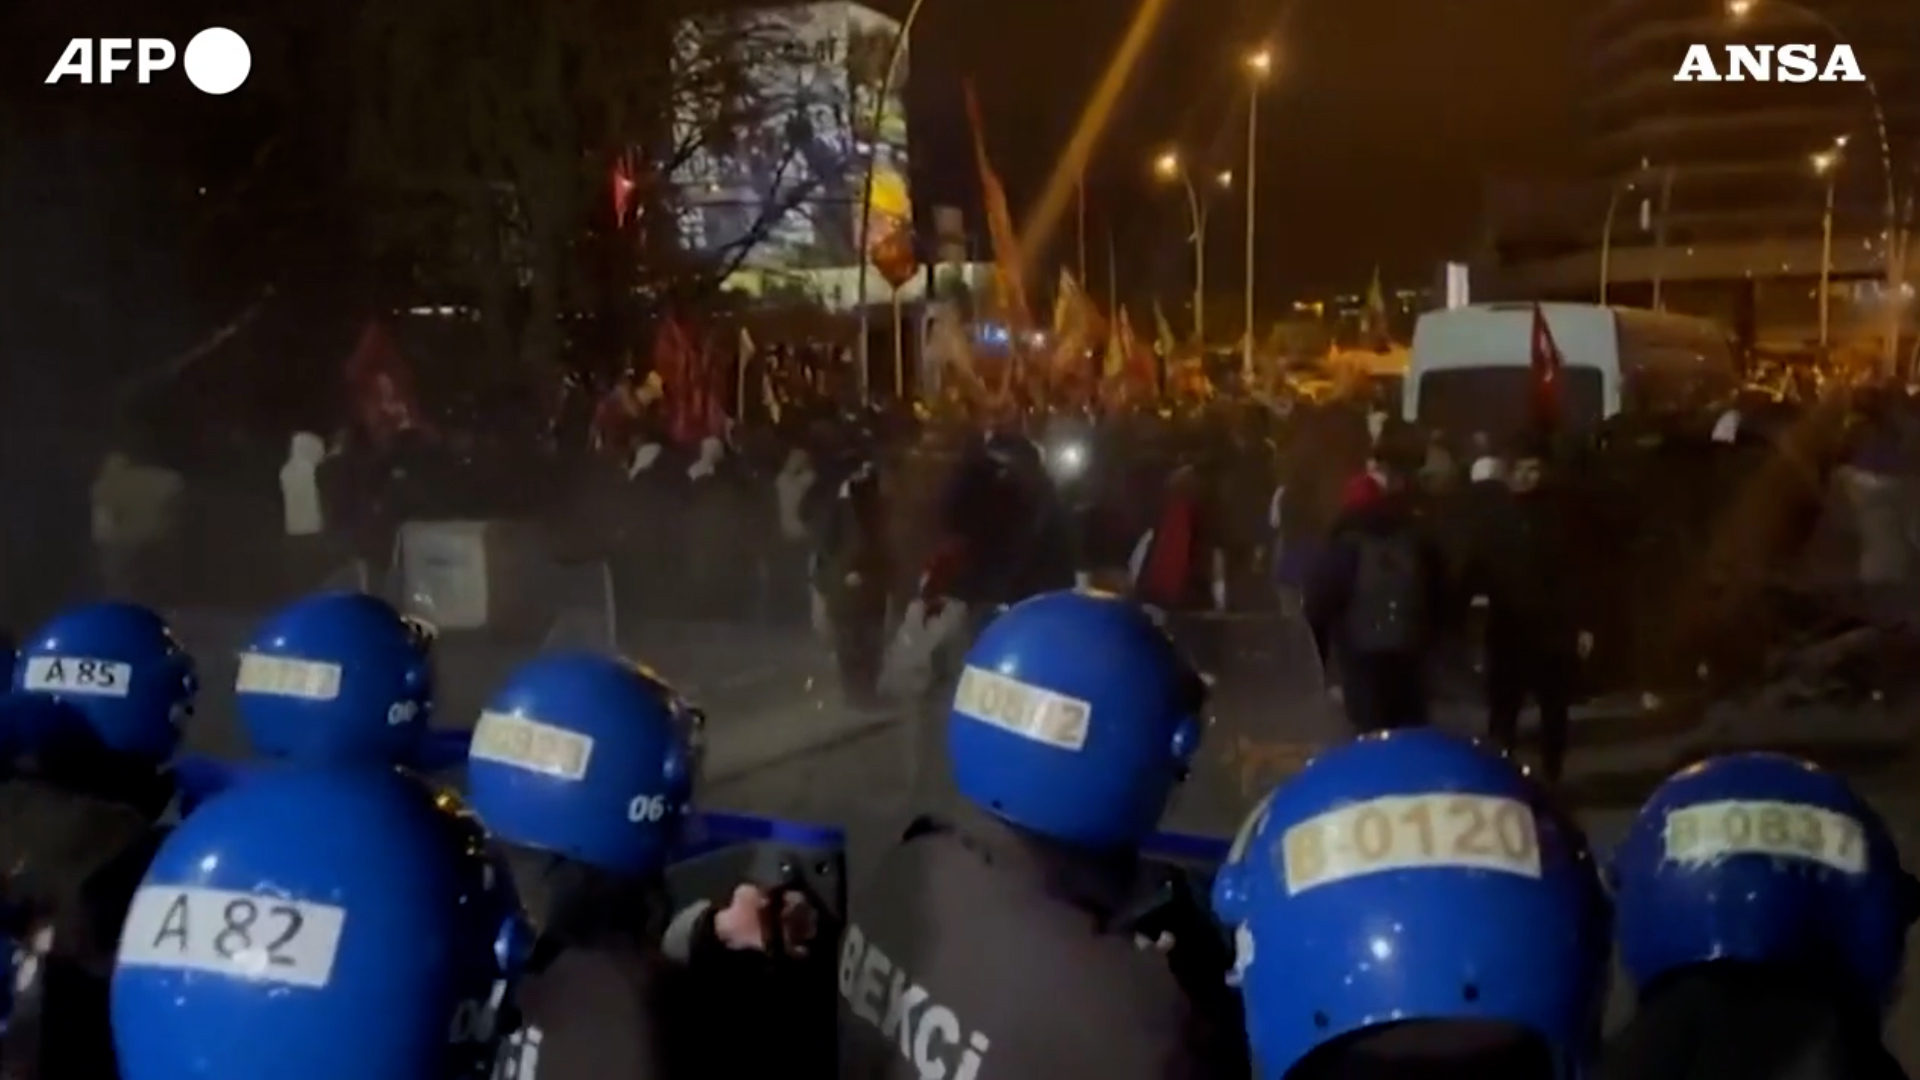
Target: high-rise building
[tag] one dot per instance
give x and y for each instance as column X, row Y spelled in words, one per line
column 1713, row 196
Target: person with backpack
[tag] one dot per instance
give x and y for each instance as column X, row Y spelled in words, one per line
column 1377, row 598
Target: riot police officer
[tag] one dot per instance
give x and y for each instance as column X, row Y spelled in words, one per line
column 1763, row 915
column 100, row 695
column 1410, row 905
column 337, row 677
column 581, row 765
column 314, row 924
column 1000, row 937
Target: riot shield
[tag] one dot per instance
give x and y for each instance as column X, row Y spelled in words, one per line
column 1268, row 714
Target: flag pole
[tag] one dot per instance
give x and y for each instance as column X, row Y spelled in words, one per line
column 1113, row 275
column 1080, row 197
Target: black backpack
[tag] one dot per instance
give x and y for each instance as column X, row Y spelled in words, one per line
column 1388, row 611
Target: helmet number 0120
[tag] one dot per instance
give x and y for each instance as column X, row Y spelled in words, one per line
column 1411, row 832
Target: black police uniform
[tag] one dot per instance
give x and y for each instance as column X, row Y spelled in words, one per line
column 981, row 952
column 81, row 829
column 617, row 990
column 1733, row 1021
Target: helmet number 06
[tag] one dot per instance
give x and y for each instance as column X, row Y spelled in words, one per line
column 1411, row 832
column 647, row 809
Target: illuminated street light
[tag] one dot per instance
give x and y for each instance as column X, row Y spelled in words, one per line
column 1826, row 163
column 896, row 52
column 1169, row 167
column 1225, row 178
column 1259, row 64
column 1894, row 246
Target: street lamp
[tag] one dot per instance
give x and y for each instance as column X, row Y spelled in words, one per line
column 1169, row 167
column 1826, row 164
column 895, row 53
column 1893, row 247
column 1259, row 64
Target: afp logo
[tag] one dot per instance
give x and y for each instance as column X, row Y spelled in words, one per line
column 216, row 61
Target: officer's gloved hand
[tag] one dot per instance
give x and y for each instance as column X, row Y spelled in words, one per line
column 747, row 923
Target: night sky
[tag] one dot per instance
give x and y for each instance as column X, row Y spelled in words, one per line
column 1376, row 131
column 1377, row 128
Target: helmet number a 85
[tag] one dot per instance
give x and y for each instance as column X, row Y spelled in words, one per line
column 647, row 809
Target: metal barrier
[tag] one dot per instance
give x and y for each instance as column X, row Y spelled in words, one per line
column 557, row 605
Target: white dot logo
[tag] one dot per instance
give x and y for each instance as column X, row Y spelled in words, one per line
column 217, row 61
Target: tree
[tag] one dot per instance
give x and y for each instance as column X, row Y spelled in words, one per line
column 486, row 131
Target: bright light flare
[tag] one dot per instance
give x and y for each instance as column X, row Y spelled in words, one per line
column 1068, row 460
column 1167, row 165
column 1739, row 9
column 1225, row 178
column 1260, row 63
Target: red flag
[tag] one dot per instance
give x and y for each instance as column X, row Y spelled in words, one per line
column 1010, row 278
column 622, row 185
column 1546, row 365
column 673, row 361
column 381, row 386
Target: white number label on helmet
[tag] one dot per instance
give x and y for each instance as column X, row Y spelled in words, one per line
column 1026, row 710
column 1784, row 830
column 531, row 745
column 647, row 809
column 266, row 939
column 283, row 676
column 402, row 712
column 77, row 675
column 1412, row 832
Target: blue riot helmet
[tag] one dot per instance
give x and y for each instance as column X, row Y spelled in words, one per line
column 114, row 668
column 1075, row 717
column 1763, row 858
column 1413, row 876
column 337, row 677
column 312, row 924
column 588, row 757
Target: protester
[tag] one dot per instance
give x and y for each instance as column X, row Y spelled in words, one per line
column 1182, row 566
column 1377, row 600
column 1524, row 559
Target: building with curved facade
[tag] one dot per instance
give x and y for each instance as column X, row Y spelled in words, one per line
column 1706, row 196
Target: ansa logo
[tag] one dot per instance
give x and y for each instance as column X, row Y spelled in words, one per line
column 1770, row 63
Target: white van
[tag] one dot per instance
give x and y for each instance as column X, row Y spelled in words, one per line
column 1471, row 366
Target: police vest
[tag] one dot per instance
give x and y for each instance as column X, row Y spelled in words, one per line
column 930, row 1037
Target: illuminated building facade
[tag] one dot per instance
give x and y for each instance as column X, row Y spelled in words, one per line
column 789, row 186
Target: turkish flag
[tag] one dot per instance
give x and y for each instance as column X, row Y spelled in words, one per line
column 1547, row 366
